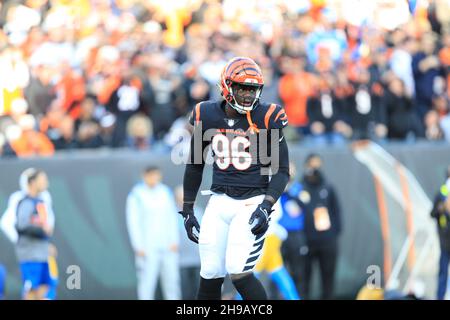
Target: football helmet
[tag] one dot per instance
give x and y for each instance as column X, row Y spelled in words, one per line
column 241, row 84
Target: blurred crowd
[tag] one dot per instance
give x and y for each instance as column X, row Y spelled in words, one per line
column 86, row 74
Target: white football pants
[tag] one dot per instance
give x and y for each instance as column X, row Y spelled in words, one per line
column 226, row 242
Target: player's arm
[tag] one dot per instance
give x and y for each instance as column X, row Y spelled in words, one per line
column 47, row 198
column 193, row 175
column 280, row 178
column 8, row 220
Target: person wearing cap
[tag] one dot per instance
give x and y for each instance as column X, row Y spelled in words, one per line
column 441, row 212
column 28, row 223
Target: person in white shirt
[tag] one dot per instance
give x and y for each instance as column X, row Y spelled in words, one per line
column 152, row 221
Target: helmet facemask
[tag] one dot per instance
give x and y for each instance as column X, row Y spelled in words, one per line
column 244, row 97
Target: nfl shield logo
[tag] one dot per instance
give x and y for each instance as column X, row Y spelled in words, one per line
column 230, row 122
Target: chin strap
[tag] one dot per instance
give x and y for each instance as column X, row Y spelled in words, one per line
column 253, row 128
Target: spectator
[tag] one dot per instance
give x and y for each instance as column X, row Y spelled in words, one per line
column 441, row 212
column 152, row 222
column 89, row 111
column 322, row 226
column 295, row 87
column 403, row 121
column 379, row 69
column 367, row 109
column 88, row 136
column 15, row 77
column 65, row 135
column 139, row 132
column 31, row 142
column 124, row 103
column 40, row 90
column 326, row 115
column 197, row 89
column 433, row 129
column 426, row 67
column 164, row 82
column 401, row 61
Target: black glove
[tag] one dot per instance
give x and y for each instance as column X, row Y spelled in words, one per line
column 190, row 222
column 262, row 213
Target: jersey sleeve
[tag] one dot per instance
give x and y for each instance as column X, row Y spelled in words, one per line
column 195, row 116
column 278, row 119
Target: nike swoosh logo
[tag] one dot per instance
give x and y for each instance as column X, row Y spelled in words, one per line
column 284, row 122
column 281, row 139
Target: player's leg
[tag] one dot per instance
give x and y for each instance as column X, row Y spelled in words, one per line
column 170, row 276
column 244, row 250
column 44, row 281
column 259, row 267
column 285, row 284
column 30, row 277
column 41, row 292
column 276, row 269
column 52, row 278
column 212, row 245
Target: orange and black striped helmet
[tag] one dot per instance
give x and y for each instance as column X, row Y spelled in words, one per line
column 244, row 71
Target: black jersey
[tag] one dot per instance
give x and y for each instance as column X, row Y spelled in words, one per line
column 241, row 146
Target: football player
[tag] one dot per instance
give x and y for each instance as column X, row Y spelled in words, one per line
column 250, row 171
